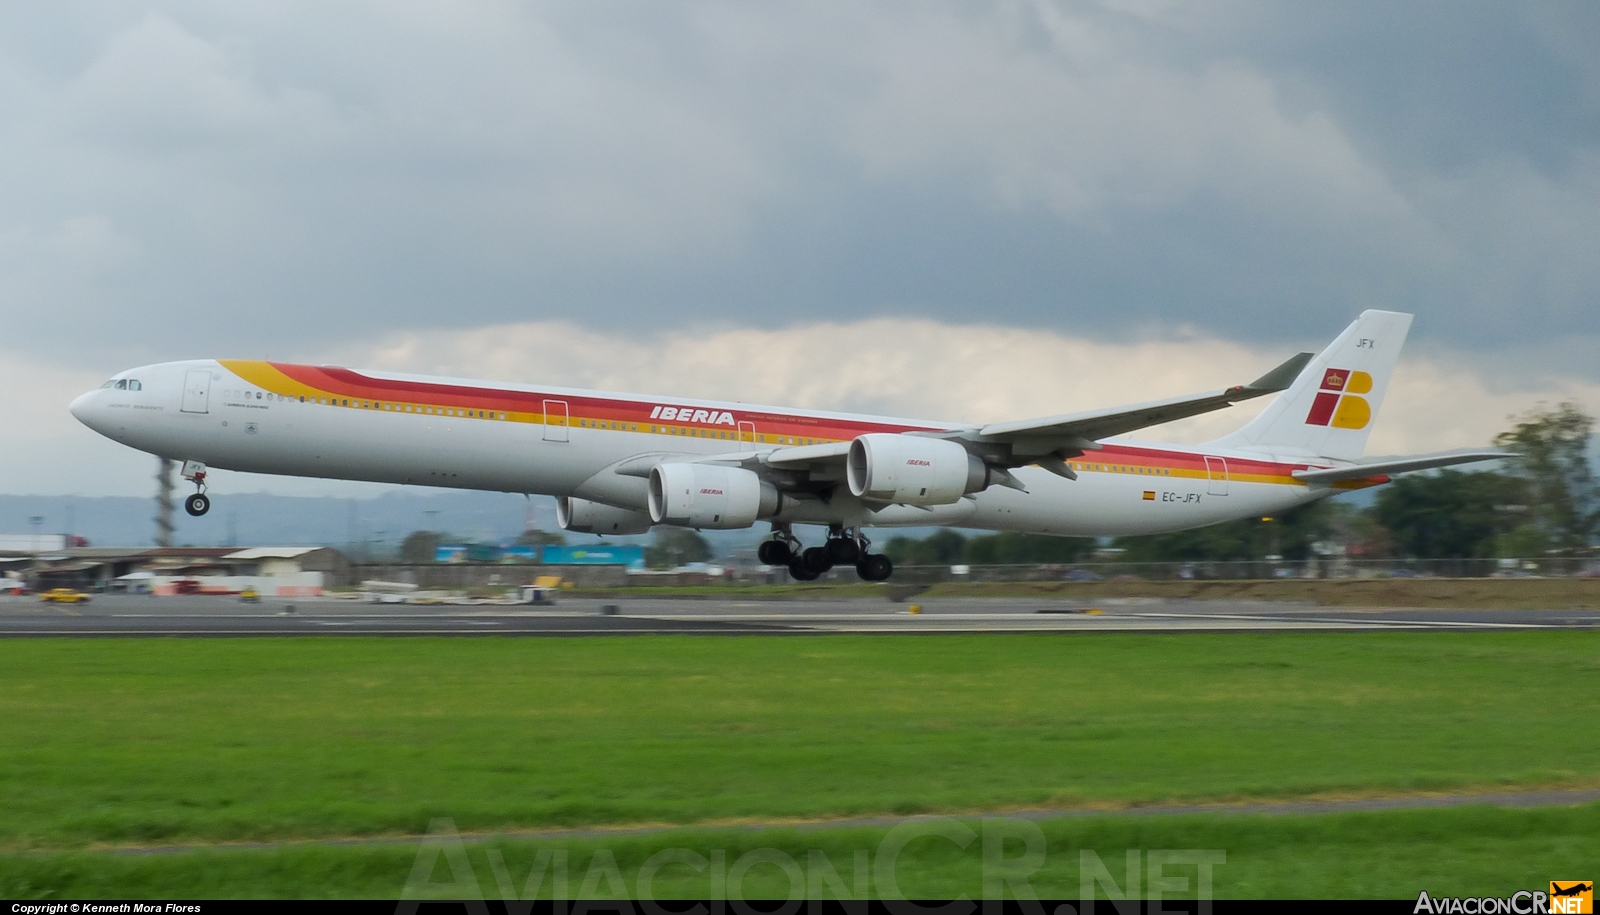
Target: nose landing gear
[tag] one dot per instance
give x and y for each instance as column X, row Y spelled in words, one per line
column 199, row 503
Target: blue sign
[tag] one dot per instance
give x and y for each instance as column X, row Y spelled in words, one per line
column 630, row 556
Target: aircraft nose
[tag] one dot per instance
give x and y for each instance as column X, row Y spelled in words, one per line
column 83, row 408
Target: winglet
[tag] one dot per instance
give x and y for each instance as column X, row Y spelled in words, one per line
column 1281, row 377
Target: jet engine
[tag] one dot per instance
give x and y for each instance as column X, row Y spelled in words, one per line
column 913, row 470
column 710, row 496
column 581, row 516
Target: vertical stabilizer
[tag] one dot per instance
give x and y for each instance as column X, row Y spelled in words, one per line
column 1329, row 410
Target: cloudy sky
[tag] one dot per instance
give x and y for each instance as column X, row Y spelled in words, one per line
column 948, row 209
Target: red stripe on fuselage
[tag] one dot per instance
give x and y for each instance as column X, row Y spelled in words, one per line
column 343, row 382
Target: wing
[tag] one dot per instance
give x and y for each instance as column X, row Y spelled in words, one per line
column 1046, row 442
column 1387, row 466
column 1072, row 429
column 1049, row 441
column 795, row 469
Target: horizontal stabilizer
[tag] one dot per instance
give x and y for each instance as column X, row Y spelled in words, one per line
column 1388, row 466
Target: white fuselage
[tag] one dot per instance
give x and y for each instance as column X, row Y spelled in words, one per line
column 307, row 421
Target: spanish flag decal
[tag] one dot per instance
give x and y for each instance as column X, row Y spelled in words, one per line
column 1149, row 495
column 1338, row 403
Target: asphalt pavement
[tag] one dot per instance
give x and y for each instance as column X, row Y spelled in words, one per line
column 131, row 615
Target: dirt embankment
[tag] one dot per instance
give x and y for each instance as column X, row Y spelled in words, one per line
column 1512, row 593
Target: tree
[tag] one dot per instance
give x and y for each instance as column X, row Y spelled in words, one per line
column 1012, row 548
column 676, row 546
column 942, row 547
column 420, row 546
column 535, row 537
column 948, row 547
column 1553, row 449
column 1450, row 514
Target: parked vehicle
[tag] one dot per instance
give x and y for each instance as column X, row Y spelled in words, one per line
column 64, row 596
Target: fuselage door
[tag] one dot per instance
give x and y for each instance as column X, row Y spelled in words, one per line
column 747, row 432
column 1216, row 476
column 197, row 391
column 556, row 418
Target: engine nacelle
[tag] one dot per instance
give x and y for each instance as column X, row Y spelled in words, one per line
column 581, row 516
column 912, row 470
column 710, row 496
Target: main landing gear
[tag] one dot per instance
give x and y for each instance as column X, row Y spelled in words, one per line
column 841, row 548
column 199, row 503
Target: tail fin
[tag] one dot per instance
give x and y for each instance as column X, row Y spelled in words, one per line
column 1329, row 409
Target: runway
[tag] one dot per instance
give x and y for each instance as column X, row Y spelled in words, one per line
column 122, row 615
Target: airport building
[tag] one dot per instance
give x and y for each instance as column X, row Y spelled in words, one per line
column 271, row 571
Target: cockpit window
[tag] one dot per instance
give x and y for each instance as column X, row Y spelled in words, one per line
column 122, row 385
column 108, row 384
column 134, row 385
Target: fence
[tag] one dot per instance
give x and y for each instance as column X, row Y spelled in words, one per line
column 1543, row 567
column 459, row 575
column 468, row 575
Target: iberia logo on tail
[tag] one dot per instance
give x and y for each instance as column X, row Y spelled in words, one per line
column 1339, row 403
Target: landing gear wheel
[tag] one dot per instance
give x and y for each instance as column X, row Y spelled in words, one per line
column 774, row 553
column 875, row 567
column 843, row 551
column 799, row 572
column 816, row 560
column 197, row 504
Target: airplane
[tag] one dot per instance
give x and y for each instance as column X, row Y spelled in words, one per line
column 619, row 463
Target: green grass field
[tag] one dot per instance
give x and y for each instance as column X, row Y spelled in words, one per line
column 132, row 741
column 1390, row 855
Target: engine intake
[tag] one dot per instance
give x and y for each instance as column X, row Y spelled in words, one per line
column 710, row 496
column 913, row 470
column 581, row 516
